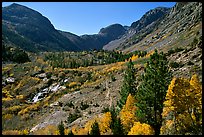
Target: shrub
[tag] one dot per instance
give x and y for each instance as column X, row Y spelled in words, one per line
column 174, row 64
column 190, row 63
column 97, row 87
column 178, row 49
column 113, row 78
column 84, row 106
column 73, row 117
column 171, row 51
column 70, row 104
column 106, row 109
column 96, row 105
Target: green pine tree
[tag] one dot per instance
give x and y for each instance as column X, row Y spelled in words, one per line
column 95, row 129
column 118, row 127
column 61, row 128
column 152, row 91
column 128, row 84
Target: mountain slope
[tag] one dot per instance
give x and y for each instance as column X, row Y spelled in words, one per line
column 96, row 41
column 178, row 28
column 139, row 29
column 31, row 31
column 37, row 30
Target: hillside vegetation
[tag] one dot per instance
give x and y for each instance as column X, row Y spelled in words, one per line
column 38, row 95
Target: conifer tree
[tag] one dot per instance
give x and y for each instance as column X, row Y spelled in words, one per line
column 61, row 128
column 128, row 86
column 152, row 91
column 116, row 124
column 95, row 129
column 118, row 127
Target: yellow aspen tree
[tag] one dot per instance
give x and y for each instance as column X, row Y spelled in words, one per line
column 127, row 114
column 197, row 99
column 88, row 125
column 141, row 129
column 183, row 106
column 104, row 123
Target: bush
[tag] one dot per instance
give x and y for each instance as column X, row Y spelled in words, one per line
column 20, row 56
column 106, row 109
column 73, row 117
column 171, row 51
column 174, row 64
column 89, row 112
column 84, row 106
column 178, row 49
column 96, row 105
column 190, row 63
column 70, row 104
column 97, row 87
column 49, row 74
column 113, row 78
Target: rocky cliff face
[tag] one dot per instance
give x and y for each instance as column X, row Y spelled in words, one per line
column 170, row 30
column 149, row 17
column 139, row 29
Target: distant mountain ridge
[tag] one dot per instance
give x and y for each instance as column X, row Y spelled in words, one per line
column 31, row 31
column 96, row 41
column 25, row 23
column 141, row 27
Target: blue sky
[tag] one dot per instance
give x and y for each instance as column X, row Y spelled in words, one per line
column 89, row 17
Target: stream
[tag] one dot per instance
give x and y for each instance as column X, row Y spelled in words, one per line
column 43, row 93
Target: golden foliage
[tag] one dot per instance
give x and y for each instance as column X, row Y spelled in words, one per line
column 11, row 132
column 6, row 94
column 25, row 132
column 75, row 129
column 141, row 129
column 14, row 109
column 36, row 68
column 168, row 127
column 32, row 107
column 149, row 54
column 6, row 99
column 183, row 103
column 127, row 114
column 48, row 130
column 15, row 132
column 73, row 84
column 134, row 57
column 104, row 123
column 20, row 97
column 7, row 116
column 27, row 80
column 66, row 131
column 88, row 125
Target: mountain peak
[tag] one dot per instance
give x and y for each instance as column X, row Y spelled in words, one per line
column 111, row 28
